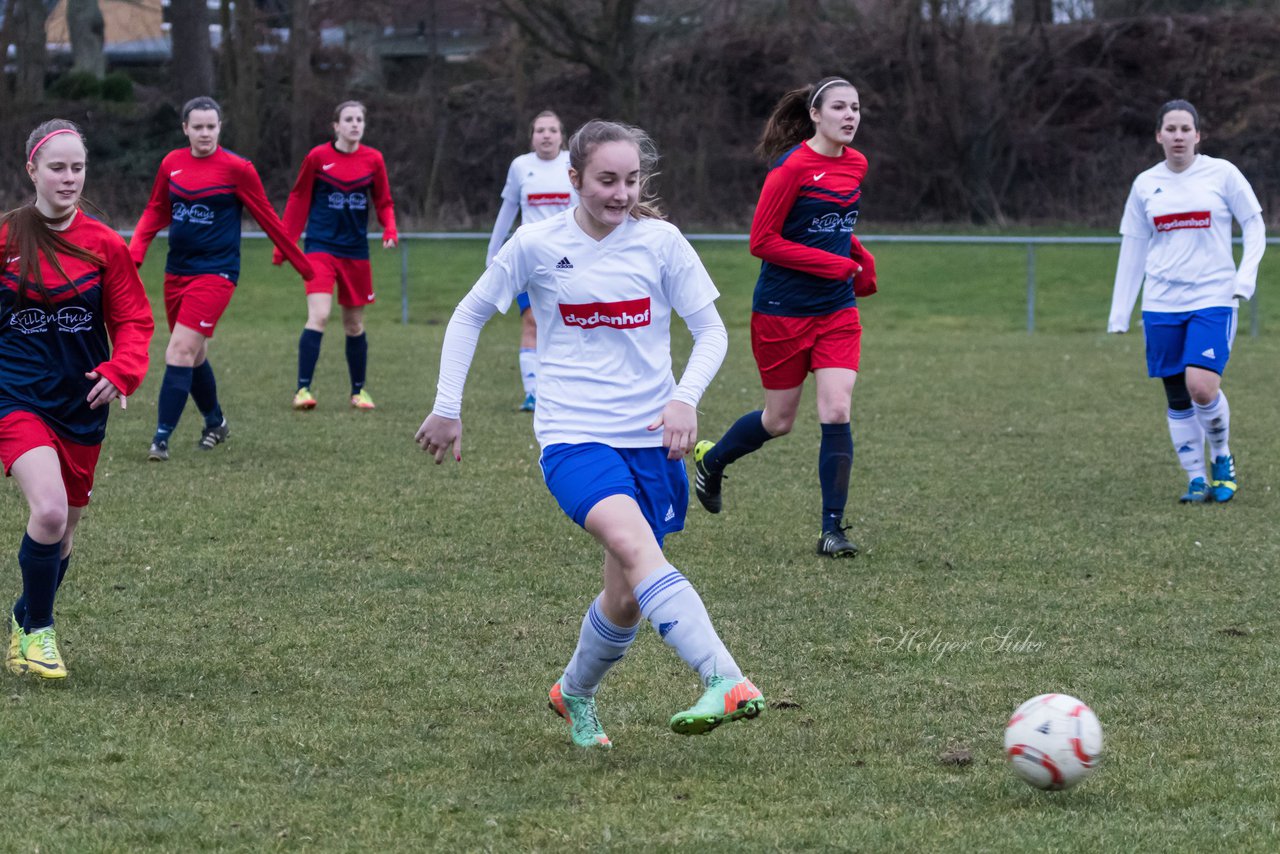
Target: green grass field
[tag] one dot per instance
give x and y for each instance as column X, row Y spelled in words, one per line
column 313, row 639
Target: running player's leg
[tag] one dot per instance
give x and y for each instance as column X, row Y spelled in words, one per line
column 355, row 292
column 835, row 457
column 528, row 357
column 1210, row 335
column 1165, row 334
column 319, row 305
column 39, row 476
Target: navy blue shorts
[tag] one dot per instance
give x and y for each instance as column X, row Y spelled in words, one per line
column 580, row 476
column 1176, row 339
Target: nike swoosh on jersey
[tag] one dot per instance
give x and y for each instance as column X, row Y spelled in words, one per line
column 817, row 176
column 328, row 166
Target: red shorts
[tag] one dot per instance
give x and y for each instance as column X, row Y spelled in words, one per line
column 197, row 302
column 788, row 348
column 352, row 276
column 22, row 431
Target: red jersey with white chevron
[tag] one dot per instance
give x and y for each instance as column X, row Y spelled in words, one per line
column 1186, row 217
column 541, row 187
column 199, row 199
column 603, row 309
column 803, row 233
column 333, row 196
column 97, row 318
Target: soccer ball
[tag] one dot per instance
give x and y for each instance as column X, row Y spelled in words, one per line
column 1053, row 741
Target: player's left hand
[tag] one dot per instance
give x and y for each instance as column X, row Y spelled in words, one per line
column 679, row 425
column 103, row 391
column 388, row 243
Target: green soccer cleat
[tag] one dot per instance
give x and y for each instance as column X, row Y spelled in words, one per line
column 212, row 437
column 15, row 662
column 40, row 649
column 1197, row 492
column 706, row 484
column 304, row 399
column 363, row 401
column 1224, row 478
column 580, row 714
column 724, row 701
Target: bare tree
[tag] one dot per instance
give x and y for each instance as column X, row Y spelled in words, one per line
column 191, row 54
column 240, row 70
column 86, row 28
column 1032, row 13
column 25, row 25
column 299, row 79
column 599, row 35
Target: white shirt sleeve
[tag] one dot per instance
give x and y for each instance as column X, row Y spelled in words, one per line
column 1255, row 241
column 506, row 218
column 1129, row 274
column 460, row 339
column 710, row 343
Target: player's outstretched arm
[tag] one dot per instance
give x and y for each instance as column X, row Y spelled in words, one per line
column 442, row 429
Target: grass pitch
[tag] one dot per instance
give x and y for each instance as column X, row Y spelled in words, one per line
column 313, row 639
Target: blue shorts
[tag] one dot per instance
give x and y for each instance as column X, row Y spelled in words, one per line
column 1178, row 339
column 522, row 300
column 580, row 476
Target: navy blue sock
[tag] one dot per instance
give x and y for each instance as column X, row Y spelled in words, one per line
column 20, row 607
column 174, row 389
column 746, row 435
column 204, row 391
column 835, row 458
column 39, row 563
column 308, row 355
column 357, row 360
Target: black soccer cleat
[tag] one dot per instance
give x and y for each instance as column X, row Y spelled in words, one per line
column 705, row 484
column 214, row 436
column 836, row 544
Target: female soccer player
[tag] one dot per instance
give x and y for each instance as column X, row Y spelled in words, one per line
column 1176, row 247
column 537, row 188
column 198, row 195
column 337, row 185
column 603, row 279
column 804, row 315
column 75, row 326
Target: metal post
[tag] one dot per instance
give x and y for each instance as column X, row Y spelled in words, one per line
column 1253, row 315
column 404, row 281
column 1031, row 288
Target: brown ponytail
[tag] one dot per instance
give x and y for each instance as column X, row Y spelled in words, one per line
column 790, row 123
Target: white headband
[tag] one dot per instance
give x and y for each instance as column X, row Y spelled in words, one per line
column 837, row 81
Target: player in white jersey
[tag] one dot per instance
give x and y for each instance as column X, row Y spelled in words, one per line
column 537, row 188
column 1176, row 247
column 613, row 423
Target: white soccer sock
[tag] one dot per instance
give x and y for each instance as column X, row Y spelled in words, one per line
column 671, row 605
column 1188, row 441
column 1216, row 421
column 600, row 646
column 529, row 370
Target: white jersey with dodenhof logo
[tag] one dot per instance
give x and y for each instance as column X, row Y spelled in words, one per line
column 541, row 187
column 603, row 310
column 1187, row 216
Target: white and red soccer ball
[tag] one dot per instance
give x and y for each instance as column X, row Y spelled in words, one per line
column 1053, row 741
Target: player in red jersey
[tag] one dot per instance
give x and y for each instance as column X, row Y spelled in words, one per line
column 337, row 185
column 75, row 326
column 804, row 313
column 198, row 195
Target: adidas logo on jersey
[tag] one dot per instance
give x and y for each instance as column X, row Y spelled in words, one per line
column 564, row 264
column 1158, row 191
column 1208, row 354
